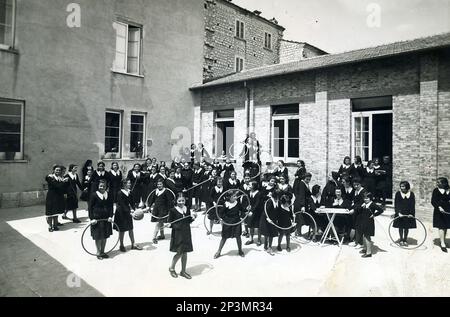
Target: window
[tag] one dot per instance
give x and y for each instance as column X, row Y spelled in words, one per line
column 113, row 132
column 128, row 48
column 286, row 132
column 239, row 64
column 137, row 131
column 7, row 21
column 240, row 30
column 224, row 133
column 11, row 129
column 268, row 40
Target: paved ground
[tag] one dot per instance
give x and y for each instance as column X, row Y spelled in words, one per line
column 35, row 262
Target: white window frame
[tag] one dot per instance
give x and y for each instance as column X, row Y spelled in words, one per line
column 365, row 114
column 216, row 132
column 13, row 29
column 241, row 29
column 236, row 63
column 127, row 34
column 286, row 119
column 144, row 134
column 265, row 40
column 19, row 155
column 119, row 153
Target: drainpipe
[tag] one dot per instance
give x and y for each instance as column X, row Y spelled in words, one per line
column 247, row 105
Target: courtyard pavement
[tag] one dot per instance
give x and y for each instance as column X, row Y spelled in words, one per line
column 34, row 262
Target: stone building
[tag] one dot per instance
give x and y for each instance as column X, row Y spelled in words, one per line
column 388, row 100
column 89, row 81
column 291, row 51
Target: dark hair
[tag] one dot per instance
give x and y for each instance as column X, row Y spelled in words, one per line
column 102, row 181
column 219, row 179
column 302, row 163
column 357, row 180
column 406, row 184
column 348, row 158
column 276, row 194
column 281, row 161
column 315, row 190
column 370, row 162
column 160, row 181
column 88, row 163
column 54, row 167
column 335, row 175
column 137, row 164
column 306, row 175
column 444, row 182
column 101, row 163
column 368, row 195
column 114, row 163
column 181, row 195
column 254, row 184
column 124, row 182
column 285, row 198
column 72, row 166
column 358, row 159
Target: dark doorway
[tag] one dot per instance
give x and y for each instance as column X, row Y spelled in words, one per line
column 225, row 137
column 382, row 135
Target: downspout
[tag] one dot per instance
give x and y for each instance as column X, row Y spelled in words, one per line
column 247, row 106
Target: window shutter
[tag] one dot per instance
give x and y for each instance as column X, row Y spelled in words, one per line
column 120, row 61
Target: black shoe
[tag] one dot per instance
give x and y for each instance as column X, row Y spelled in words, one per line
column 136, row 247
column 444, row 250
column 258, row 244
column 366, row 255
column 173, row 273
column 122, row 249
column 185, row 275
column 155, row 241
column 362, row 252
column 50, row 229
column 105, row 256
column 76, row 221
column 217, row 255
column 241, row 254
column 65, row 218
column 99, row 257
column 55, row 229
column 279, row 249
column 161, row 237
column 59, row 224
column 249, row 242
column 288, row 249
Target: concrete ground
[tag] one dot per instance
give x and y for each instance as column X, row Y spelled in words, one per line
column 35, row 262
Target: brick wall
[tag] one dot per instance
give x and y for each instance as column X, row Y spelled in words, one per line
column 291, row 51
column 207, row 125
column 339, row 132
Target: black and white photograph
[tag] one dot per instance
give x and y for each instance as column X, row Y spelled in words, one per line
column 224, row 149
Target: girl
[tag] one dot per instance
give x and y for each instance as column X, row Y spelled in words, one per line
column 440, row 201
column 192, row 154
column 284, row 186
column 228, row 168
column 206, row 186
column 231, row 213
column 163, row 201
column 123, row 217
column 329, row 190
column 215, row 192
column 178, row 178
column 366, row 223
column 197, row 177
column 256, row 203
column 345, row 167
column 161, row 165
column 147, row 166
column 72, row 193
column 245, row 187
column 172, row 184
column 181, row 239
column 186, row 179
column 268, row 230
column 282, row 171
column 99, row 175
column 357, row 169
column 137, row 181
column 101, row 207
column 285, row 218
column 301, row 169
column 115, row 178
column 216, row 165
column 87, row 181
column 270, row 188
column 369, row 177
column 151, row 181
column 405, row 205
column 357, row 202
column 175, row 163
column 55, row 202
column 315, row 204
column 233, row 182
column 302, row 194
column 155, row 163
column 87, row 166
column 162, row 175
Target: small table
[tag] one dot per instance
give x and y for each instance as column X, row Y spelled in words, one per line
column 331, row 215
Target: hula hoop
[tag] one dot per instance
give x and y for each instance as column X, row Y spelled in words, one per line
column 90, row 225
column 259, row 172
column 231, row 152
column 403, row 247
column 206, row 216
column 151, row 213
column 311, row 217
column 246, row 214
column 293, row 225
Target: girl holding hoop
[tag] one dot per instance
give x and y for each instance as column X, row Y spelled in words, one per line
column 162, row 200
column 101, row 208
column 232, row 212
column 257, row 209
column 123, row 217
column 405, row 205
column 181, row 239
column 285, row 220
column 441, row 215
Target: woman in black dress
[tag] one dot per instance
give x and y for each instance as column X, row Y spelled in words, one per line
column 345, row 167
column 151, row 180
column 115, row 181
column 73, row 182
column 87, row 166
column 228, row 168
column 441, row 215
column 97, row 176
column 284, row 219
column 231, row 213
column 181, row 239
column 163, row 200
column 55, row 203
column 268, row 230
column 405, row 205
column 282, row 171
column 137, row 188
column 357, row 168
column 86, row 185
column 257, row 209
column 233, row 182
column 369, row 178
column 197, row 177
column 101, row 208
column 123, row 217
column 215, row 192
column 301, row 169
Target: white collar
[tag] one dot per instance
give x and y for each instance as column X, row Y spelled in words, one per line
column 181, row 210
column 339, row 201
column 346, row 166
column 232, row 182
column 316, row 199
column 282, row 169
column 115, row 173
column 370, row 170
column 218, row 189
column 275, row 203
column 367, row 205
column 72, row 176
column 285, row 208
column 58, row 178
column 406, row 196
column 100, row 173
column 253, row 194
column 171, row 179
column 126, row 192
column 138, row 174
column 230, row 205
column 443, row 191
column 177, row 175
column 246, row 186
column 198, row 171
column 163, row 176
column 102, row 196
column 348, row 190
column 154, row 175
column 359, row 191
column 283, row 187
column 160, row 192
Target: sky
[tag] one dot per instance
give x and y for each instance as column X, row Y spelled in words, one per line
column 344, row 25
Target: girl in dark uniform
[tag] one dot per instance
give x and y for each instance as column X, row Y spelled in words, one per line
column 301, row 169
column 284, row 186
column 257, row 210
column 192, row 154
column 100, row 208
column 123, row 217
column 137, row 188
column 231, row 213
column 99, row 175
column 228, row 168
column 284, row 219
column 73, row 182
column 115, row 181
column 86, row 185
column 186, row 179
column 181, row 239
column 366, row 223
column 405, row 205
column 245, row 187
column 55, row 202
column 357, row 169
column 268, row 230
column 178, row 178
column 369, row 178
column 441, row 217
column 215, row 193
column 163, row 201
column 233, row 182
column 357, row 202
column 197, row 177
column 206, row 186
column 217, row 166
column 151, row 181
column 345, row 167
column 87, row 166
column 282, row 171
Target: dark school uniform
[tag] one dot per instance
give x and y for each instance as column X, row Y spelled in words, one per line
column 206, row 186
column 344, row 170
column 232, row 184
column 267, row 192
column 218, row 168
column 386, row 184
column 405, row 205
column 171, row 184
column 181, row 238
column 115, row 184
column 72, row 192
column 175, row 165
column 284, row 172
column 231, row 214
column 96, row 178
column 357, row 171
column 178, row 178
column 348, row 193
column 228, row 168
column 192, row 154
column 343, row 222
column 440, row 198
column 267, row 229
column 101, row 207
column 365, row 223
column 186, row 178
column 86, row 188
column 285, row 218
column 369, row 180
column 358, row 201
column 151, row 183
column 215, row 193
column 286, row 188
column 197, row 177
column 300, row 172
column 302, row 199
column 329, row 192
column 137, row 186
column 122, row 217
column 257, row 209
column 321, row 219
column 163, row 201
column 54, row 202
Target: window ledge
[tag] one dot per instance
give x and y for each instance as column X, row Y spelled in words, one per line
column 240, row 39
column 268, row 49
column 4, row 48
column 14, row 161
column 126, row 74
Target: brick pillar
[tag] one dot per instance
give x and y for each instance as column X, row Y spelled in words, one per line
column 207, row 130
column 428, row 126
